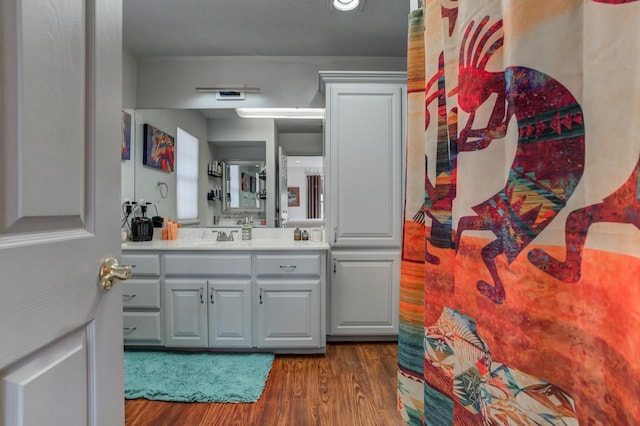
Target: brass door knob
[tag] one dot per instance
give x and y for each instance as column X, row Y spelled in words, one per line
column 111, row 270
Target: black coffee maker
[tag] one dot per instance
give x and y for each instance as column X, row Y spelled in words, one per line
column 142, row 226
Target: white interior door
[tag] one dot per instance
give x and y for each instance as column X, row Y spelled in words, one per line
column 60, row 100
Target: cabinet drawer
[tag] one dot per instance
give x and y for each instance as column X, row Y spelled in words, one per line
column 145, row 264
column 210, row 265
column 142, row 327
column 285, row 265
column 141, row 294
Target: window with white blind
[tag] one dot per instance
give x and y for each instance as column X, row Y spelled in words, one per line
column 186, row 176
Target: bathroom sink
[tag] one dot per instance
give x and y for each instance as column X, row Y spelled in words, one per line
column 212, row 237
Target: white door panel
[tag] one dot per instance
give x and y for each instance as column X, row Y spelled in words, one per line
column 63, row 367
column 60, row 101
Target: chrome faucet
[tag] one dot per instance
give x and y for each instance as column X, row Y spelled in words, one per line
column 222, row 236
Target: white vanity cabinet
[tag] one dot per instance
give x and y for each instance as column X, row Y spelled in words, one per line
column 247, row 300
column 185, row 310
column 230, row 316
column 289, row 294
column 365, row 122
column 207, row 300
column 364, row 300
column 141, row 300
column 364, row 148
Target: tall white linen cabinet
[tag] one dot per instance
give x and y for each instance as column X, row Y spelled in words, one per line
column 364, row 192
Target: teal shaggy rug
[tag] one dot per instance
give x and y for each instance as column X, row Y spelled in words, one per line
column 195, row 377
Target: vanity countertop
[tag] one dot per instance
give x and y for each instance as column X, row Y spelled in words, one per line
column 205, row 239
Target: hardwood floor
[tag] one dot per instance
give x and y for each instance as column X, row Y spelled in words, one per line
column 354, row 384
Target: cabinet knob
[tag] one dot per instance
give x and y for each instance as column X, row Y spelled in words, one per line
column 260, row 296
column 128, row 330
column 201, row 295
column 211, row 290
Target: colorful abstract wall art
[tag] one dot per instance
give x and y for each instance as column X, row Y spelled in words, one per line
column 159, row 149
column 520, row 277
column 125, row 119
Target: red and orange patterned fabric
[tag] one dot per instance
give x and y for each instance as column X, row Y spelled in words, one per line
column 520, row 288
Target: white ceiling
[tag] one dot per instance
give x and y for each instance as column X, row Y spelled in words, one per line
column 265, row 28
column 305, row 162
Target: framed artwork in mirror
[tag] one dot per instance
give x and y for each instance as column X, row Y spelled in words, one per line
column 244, row 182
column 158, row 149
column 294, row 196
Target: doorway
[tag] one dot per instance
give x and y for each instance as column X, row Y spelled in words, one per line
column 305, row 203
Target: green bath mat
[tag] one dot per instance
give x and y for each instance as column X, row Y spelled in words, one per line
column 195, row 377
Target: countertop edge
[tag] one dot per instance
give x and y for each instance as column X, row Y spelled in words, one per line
column 224, row 246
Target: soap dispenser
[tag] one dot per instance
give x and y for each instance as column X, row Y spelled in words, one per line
column 246, row 229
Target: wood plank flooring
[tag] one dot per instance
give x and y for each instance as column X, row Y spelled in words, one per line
column 354, row 384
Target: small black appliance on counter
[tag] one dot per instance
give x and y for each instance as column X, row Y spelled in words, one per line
column 157, row 221
column 141, row 229
column 142, row 226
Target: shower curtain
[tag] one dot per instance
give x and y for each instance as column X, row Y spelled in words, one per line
column 520, row 288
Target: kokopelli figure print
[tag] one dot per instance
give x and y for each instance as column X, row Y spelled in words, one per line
column 623, row 206
column 549, row 158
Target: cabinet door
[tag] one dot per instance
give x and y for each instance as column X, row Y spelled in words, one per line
column 142, row 318
column 229, row 314
column 207, row 264
column 141, row 301
column 185, row 308
column 143, row 264
column 141, row 294
column 142, row 328
column 288, row 313
column 365, row 157
column 364, row 293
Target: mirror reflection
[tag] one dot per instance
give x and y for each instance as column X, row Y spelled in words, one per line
column 244, row 186
column 253, row 145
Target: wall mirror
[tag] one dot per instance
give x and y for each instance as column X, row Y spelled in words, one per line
column 224, row 137
column 244, row 186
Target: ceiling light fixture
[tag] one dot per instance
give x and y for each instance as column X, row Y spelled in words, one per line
column 346, row 4
column 301, row 113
